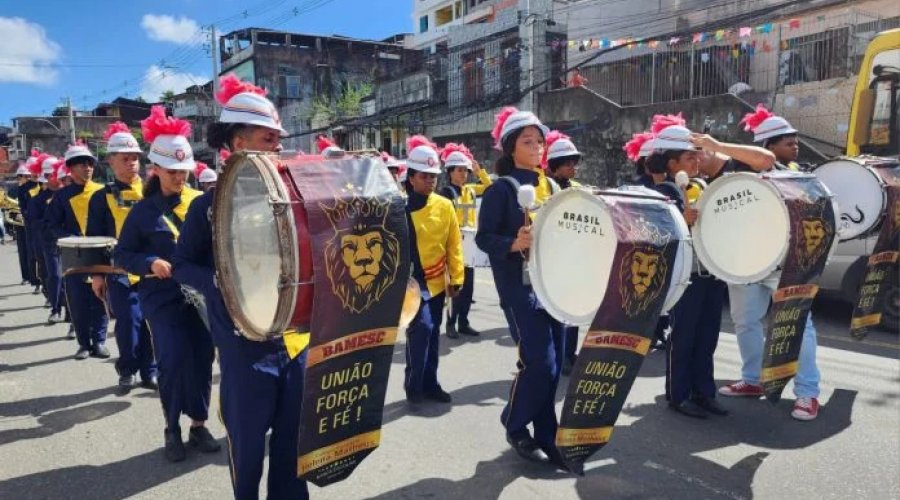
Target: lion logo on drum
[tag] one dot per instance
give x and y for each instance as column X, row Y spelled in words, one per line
column 814, row 233
column 362, row 258
column 643, row 274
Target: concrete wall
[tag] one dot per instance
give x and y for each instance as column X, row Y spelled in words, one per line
column 819, row 109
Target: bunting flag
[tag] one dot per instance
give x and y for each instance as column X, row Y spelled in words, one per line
column 794, row 23
column 745, row 31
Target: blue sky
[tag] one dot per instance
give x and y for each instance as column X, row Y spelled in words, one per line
column 96, row 50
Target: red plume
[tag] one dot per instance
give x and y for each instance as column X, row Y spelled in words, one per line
column 115, row 128
column 661, row 122
column 158, row 124
column 385, row 156
column 224, row 154
column 57, row 169
column 199, row 167
column 230, row 86
column 633, row 147
column 35, row 167
column 35, row 152
column 452, row 147
column 323, row 141
column 419, row 140
column 500, row 119
column 752, row 120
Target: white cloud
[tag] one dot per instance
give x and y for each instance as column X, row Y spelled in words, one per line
column 26, row 52
column 158, row 80
column 165, row 28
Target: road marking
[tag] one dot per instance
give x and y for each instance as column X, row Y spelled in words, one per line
column 877, row 343
column 692, row 480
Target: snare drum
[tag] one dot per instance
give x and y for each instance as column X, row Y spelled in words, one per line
column 743, row 229
column 472, row 255
column 87, row 255
column 859, row 193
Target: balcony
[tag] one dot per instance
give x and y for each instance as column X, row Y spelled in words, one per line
column 196, row 109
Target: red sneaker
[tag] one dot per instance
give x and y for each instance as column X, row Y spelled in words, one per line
column 805, row 409
column 741, row 388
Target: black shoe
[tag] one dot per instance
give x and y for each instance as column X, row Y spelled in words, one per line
column 83, row 353
column 556, row 459
column 451, row 330
column 712, row 406
column 468, row 330
column 414, row 398
column 126, row 382
column 567, row 367
column 200, row 438
column 151, row 383
column 658, row 345
column 174, row 450
column 439, row 395
column 528, row 449
column 100, row 351
column 689, row 408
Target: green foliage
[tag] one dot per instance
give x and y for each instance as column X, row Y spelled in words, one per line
column 346, row 104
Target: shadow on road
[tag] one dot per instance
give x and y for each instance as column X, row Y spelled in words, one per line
column 63, row 420
column 4, row 329
column 43, row 405
column 32, row 364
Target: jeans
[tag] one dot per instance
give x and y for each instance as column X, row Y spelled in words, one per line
column 749, row 304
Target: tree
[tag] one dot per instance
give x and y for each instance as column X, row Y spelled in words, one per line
column 346, row 104
column 167, row 96
column 140, row 99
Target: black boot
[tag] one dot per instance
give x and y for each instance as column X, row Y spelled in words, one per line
column 174, row 450
column 200, row 438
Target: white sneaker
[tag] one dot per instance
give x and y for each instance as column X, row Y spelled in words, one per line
column 805, row 409
column 54, row 319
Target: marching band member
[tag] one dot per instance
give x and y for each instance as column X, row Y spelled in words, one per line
column 67, row 216
column 207, row 179
column 37, row 209
column 637, row 150
column 51, row 257
column 436, row 248
column 328, row 148
column 505, row 236
column 108, row 209
column 561, row 158
column 26, row 191
column 23, row 175
column 750, row 303
column 458, row 161
column 262, row 382
column 147, row 238
column 45, row 245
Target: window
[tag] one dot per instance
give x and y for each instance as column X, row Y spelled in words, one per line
column 457, row 10
column 443, row 16
column 473, row 76
column 423, row 24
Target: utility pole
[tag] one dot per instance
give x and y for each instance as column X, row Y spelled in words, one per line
column 71, row 120
column 214, row 54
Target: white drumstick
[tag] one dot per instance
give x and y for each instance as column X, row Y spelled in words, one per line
column 526, row 198
column 682, row 180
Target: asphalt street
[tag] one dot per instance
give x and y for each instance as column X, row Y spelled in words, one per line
column 65, row 432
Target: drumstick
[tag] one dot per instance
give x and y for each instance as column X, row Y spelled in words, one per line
column 682, row 180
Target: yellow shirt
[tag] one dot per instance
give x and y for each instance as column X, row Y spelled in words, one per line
column 439, row 243
column 466, row 213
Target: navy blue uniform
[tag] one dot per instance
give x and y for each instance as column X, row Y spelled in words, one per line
column 37, row 235
column 537, row 335
column 24, row 198
column 262, row 385
column 181, row 342
column 132, row 335
column 67, row 216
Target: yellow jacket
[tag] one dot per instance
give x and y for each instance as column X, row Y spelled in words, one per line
column 466, row 213
column 439, row 243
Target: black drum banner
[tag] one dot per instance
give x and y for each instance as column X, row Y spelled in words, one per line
column 812, row 234
column 358, row 234
column 882, row 275
column 619, row 337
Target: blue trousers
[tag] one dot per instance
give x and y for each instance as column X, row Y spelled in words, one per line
column 422, row 348
column 261, row 389
column 462, row 303
column 88, row 313
column 696, row 321
column 132, row 335
column 185, row 354
column 570, row 334
column 540, row 343
column 22, row 247
column 36, row 259
column 54, row 282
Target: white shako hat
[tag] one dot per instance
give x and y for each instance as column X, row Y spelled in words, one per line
column 243, row 102
column 23, row 169
column 208, row 175
column 79, row 150
column 675, row 138
column 456, row 155
column 169, row 147
column 423, row 155
column 765, row 125
column 119, row 139
column 47, row 168
column 562, row 147
column 511, row 119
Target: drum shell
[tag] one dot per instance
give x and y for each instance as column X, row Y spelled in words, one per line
column 74, row 258
column 305, row 290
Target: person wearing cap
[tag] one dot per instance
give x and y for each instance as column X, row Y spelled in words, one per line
column 207, row 179
column 23, row 178
column 436, row 251
column 328, row 148
column 637, row 149
column 749, row 303
column 107, row 211
column 51, row 255
column 264, row 376
column 67, row 216
column 504, row 235
column 37, row 208
column 459, row 162
column 181, row 341
column 26, row 191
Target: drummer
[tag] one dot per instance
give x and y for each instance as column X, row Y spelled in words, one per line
column 750, row 303
column 37, row 209
column 28, row 190
column 51, row 256
column 107, row 211
column 504, row 236
column 147, row 238
column 437, row 261
column 458, row 161
column 776, row 135
column 262, row 382
column 67, row 216
column 637, row 150
column 207, row 179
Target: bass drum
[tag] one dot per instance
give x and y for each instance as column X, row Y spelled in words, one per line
column 261, row 244
column 859, row 193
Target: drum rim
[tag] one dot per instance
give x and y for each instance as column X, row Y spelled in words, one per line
column 700, row 249
column 284, row 221
column 95, row 242
column 538, row 284
column 876, row 226
column 688, row 258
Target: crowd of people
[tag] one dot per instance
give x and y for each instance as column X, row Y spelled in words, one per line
column 162, row 227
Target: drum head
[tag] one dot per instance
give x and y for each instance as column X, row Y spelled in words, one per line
column 255, row 247
column 86, row 242
column 859, row 194
column 741, row 234
column 684, row 262
column 572, row 255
